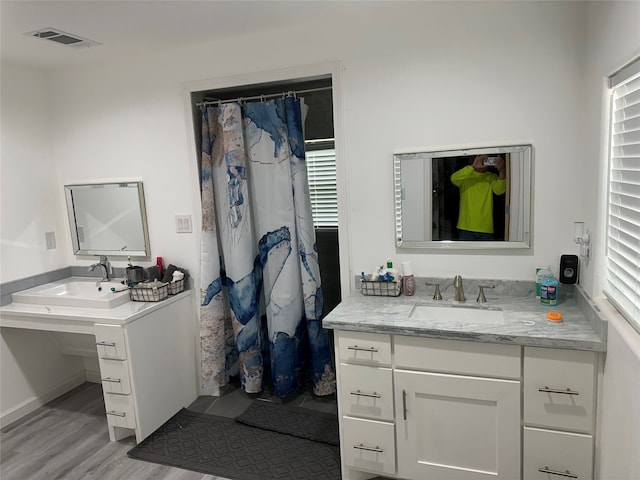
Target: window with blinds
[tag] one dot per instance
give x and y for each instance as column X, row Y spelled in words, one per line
column 321, row 173
column 623, row 218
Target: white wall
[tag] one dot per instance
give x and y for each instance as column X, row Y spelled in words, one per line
column 29, row 207
column 29, row 200
column 614, row 40
column 426, row 74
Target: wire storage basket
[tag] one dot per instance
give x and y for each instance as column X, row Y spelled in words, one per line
column 381, row 289
column 149, row 292
column 176, row 286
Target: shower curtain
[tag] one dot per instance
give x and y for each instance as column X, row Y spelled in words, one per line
column 261, row 302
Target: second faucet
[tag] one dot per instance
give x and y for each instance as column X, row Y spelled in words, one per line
column 457, row 283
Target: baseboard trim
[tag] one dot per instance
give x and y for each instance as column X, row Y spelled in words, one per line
column 33, row 403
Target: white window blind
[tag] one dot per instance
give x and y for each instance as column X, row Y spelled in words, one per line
column 321, row 173
column 623, row 229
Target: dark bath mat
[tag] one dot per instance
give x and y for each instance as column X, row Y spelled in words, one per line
column 220, row 446
column 291, row 420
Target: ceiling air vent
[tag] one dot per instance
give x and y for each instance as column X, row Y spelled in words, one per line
column 63, row 38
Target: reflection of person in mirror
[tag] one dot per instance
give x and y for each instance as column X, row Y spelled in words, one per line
column 477, row 186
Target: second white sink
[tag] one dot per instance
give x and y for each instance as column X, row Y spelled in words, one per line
column 466, row 315
column 73, row 292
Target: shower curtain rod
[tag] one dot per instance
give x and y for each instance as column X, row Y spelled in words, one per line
column 263, row 97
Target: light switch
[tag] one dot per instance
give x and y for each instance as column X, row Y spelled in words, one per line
column 183, row 224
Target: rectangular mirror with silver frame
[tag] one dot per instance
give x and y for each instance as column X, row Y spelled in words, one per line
column 464, row 198
column 108, row 219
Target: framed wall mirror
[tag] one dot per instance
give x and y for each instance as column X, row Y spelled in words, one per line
column 464, row 198
column 108, row 219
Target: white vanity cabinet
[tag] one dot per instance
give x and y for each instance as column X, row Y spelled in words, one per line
column 457, row 409
column 559, row 413
column 147, row 369
column 417, row 408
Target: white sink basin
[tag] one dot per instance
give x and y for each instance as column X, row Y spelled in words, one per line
column 73, row 292
column 457, row 314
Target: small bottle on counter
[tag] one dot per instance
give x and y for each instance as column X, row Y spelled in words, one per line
column 408, row 280
column 160, row 265
column 549, row 290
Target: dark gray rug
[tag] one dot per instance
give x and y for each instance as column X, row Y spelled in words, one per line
column 221, row 446
column 291, row 420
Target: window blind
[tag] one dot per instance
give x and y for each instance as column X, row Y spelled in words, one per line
column 321, row 173
column 622, row 287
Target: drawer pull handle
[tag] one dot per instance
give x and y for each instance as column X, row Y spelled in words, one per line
column 106, row 344
column 112, row 380
column 568, row 391
column 365, row 394
column 360, row 446
column 404, row 404
column 555, row 472
column 362, row 349
column 117, row 414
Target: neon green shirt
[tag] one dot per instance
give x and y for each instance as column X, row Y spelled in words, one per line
column 476, row 198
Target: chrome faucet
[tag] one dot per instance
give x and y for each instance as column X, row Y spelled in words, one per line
column 457, row 283
column 104, row 265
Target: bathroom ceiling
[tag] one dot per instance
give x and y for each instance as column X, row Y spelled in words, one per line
column 131, row 28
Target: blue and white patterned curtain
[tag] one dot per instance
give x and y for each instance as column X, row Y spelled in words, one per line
column 260, row 281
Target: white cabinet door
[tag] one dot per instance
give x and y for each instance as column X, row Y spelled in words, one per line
column 452, row 427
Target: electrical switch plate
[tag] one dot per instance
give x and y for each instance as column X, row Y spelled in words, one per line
column 50, row 239
column 183, row 224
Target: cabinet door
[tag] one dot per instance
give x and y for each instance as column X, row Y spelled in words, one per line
column 457, row 427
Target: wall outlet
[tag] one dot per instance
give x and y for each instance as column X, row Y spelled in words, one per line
column 50, row 240
column 183, row 224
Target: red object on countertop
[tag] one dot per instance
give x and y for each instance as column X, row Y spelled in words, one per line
column 160, row 266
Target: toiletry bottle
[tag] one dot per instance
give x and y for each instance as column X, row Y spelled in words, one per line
column 408, row 280
column 540, row 273
column 160, row 266
column 549, row 290
column 409, row 285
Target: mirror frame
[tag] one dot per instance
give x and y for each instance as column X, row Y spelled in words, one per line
column 457, row 151
column 75, row 240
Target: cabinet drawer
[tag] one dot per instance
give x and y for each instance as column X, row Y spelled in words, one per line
column 119, row 410
column 463, row 358
column 559, row 388
column 368, row 445
column 115, row 376
column 557, row 455
column 110, row 341
column 366, row 391
column 364, row 348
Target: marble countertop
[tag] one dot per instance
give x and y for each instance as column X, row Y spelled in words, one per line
column 524, row 323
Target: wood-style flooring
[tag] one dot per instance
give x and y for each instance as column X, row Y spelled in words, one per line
column 68, row 439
